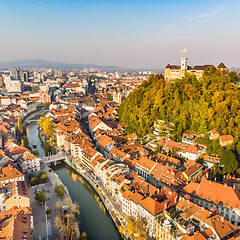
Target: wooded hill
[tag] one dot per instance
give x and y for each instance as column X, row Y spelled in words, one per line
column 211, row 102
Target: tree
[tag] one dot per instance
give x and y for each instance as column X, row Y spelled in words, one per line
column 43, row 177
column 33, row 180
column 47, row 126
column 20, row 126
column 121, row 230
column 83, row 236
column 41, row 197
column 137, row 228
column 48, row 212
column 66, row 220
column 229, row 162
column 36, row 152
column 59, row 190
column 24, row 142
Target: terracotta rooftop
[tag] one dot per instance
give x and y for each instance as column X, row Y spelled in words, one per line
column 221, row 226
column 146, row 163
column 27, row 156
column 10, row 172
column 214, row 192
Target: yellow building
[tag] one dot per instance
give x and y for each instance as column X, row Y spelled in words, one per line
column 162, row 230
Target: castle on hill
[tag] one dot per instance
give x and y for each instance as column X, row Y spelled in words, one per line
column 172, row 71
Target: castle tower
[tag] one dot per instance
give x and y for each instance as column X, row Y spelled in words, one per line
column 184, row 64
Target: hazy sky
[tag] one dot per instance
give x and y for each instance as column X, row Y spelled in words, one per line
column 125, row 33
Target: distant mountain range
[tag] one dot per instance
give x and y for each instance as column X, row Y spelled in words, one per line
column 38, row 63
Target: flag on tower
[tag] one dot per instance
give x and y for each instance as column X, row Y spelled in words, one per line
column 184, row 50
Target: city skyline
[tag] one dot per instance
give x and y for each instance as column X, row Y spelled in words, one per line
column 127, row 34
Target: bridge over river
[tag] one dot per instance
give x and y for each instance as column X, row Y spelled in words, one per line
column 32, row 120
column 55, row 158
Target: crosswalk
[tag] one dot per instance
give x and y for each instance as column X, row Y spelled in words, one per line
column 49, row 227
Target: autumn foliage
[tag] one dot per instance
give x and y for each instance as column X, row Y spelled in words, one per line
column 211, row 102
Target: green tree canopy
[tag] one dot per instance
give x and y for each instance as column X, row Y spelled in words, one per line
column 59, row 190
column 229, row 162
column 43, row 177
column 36, row 152
column 41, row 197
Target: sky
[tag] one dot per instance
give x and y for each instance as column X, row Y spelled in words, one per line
column 143, row 34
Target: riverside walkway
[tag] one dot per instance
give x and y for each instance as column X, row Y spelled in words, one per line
column 109, row 202
column 43, row 225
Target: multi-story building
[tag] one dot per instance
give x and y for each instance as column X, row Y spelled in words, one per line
column 29, row 163
column 12, row 82
column 16, row 222
column 210, row 194
column 19, row 196
column 184, row 150
column 10, row 174
column 159, row 174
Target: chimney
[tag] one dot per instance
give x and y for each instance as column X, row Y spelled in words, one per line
column 210, row 182
column 222, row 219
column 225, row 184
column 175, row 199
column 234, row 186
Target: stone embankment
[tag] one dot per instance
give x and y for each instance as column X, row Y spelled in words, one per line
column 104, row 195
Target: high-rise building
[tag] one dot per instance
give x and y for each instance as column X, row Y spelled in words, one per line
column 14, row 73
column 25, row 76
column 12, row 82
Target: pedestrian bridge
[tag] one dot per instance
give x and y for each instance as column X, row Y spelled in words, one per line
column 55, row 158
column 32, row 120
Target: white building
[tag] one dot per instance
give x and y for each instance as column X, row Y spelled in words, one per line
column 29, row 163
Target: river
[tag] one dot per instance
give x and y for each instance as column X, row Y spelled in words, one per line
column 94, row 219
